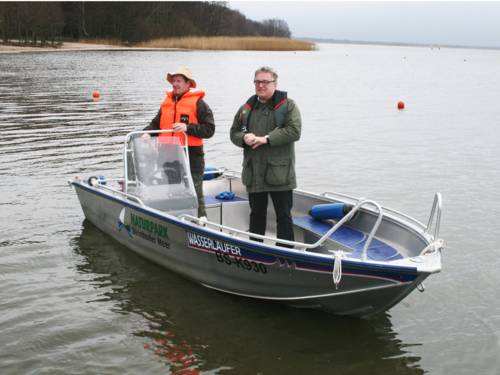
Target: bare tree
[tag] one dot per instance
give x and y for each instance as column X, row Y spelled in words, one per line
column 128, row 21
column 275, row 27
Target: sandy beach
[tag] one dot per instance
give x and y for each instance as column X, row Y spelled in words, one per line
column 66, row 46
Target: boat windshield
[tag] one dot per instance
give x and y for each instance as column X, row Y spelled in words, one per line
column 158, row 172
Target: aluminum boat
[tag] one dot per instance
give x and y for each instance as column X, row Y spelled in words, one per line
column 351, row 256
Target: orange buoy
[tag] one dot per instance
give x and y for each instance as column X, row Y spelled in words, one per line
column 96, row 94
column 401, row 105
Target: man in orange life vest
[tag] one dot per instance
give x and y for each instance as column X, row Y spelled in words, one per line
column 184, row 110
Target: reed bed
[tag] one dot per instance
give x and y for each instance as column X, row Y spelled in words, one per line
column 103, row 41
column 230, row 43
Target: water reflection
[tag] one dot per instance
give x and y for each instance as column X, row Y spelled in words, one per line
column 195, row 330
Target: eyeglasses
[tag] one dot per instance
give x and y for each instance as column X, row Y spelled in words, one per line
column 264, row 83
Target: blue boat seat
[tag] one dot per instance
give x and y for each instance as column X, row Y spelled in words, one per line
column 350, row 238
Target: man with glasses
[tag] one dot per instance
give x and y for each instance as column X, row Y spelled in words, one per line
column 266, row 127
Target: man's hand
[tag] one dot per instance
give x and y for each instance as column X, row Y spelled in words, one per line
column 253, row 141
column 259, row 141
column 249, row 139
column 179, row 127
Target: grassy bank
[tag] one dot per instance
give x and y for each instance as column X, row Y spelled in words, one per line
column 230, row 43
column 189, row 43
column 103, row 41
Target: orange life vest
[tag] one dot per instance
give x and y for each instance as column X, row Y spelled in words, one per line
column 184, row 110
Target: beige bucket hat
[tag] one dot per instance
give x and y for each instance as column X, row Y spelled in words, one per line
column 184, row 71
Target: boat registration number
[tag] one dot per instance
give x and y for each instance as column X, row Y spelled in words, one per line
column 245, row 264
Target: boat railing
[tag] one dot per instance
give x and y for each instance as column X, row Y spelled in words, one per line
column 115, row 191
column 95, row 182
column 435, row 216
column 301, row 245
column 335, row 195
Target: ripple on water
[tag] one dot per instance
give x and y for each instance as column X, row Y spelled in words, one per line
column 73, row 301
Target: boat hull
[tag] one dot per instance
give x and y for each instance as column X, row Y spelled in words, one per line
column 234, row 265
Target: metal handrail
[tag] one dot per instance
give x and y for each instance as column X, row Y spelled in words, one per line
column 436, row 210
column 301, row 245
column 375, row 227
column 326, row 193
column 386, row 209
column 126, row 149
column 254, row 235
column 435, row 214
column 133, row 197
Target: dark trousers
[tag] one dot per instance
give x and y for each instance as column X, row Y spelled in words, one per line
column 283, row 202
column 198, row 186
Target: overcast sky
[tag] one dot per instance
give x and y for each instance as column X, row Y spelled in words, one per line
column 426, row 22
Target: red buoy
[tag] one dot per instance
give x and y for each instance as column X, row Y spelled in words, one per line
column 96, row 94
column 401, row 105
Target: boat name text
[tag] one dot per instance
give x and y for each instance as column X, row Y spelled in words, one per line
column 150, row 231
column 198, row 241
column 149, row 226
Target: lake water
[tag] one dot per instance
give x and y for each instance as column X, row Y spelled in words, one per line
column 73, row 301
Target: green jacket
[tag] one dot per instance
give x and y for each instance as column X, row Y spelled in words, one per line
column 270, row 167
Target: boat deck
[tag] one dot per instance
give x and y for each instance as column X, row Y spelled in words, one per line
column 235, row 212
column 350, row 238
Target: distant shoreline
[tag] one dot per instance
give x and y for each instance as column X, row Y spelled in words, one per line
column 393, row 44
column 181, row 43
column 85, row 46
